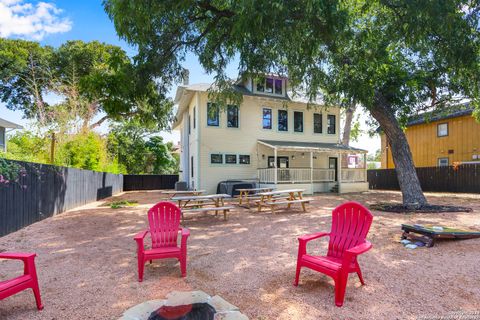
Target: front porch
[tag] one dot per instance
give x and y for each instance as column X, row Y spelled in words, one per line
column 315, row 167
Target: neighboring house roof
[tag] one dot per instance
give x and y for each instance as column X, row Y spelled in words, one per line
column 310, row 146
column 449, row 112
column 7, row 124
column 442, row 114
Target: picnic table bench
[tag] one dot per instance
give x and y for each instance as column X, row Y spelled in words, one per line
column 205, row 203
column 250, row 194
column 173, row 193
column 274, row 198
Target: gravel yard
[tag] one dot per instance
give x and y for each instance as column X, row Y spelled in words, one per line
column 87, row 263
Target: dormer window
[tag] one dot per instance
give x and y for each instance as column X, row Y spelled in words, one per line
column 270, row 86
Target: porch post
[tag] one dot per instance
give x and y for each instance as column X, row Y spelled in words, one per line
column 365, row 165
column 339, row 173
column 275, row 164
column 311, row 168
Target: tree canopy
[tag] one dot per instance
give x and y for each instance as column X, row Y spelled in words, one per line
column 392, row 57
column 139, row 151
column 89, row 80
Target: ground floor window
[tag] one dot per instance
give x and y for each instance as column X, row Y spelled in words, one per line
column 244, row 159
column 442, row 162
column 231, row 158
column 216, row 158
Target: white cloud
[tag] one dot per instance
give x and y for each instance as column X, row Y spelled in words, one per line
column 31, row 21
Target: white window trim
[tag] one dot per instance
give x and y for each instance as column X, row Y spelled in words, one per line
column 440, row 160
column 438, row 129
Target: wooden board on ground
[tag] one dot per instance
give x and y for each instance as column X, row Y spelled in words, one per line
column 429, row 234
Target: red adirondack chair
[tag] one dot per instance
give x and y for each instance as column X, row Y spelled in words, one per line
column 26, row 281
column 164, row 221
column 350, row 224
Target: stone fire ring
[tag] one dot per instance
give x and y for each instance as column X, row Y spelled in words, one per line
column 224, row 310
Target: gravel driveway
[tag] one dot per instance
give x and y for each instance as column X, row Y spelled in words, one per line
column 87, row 263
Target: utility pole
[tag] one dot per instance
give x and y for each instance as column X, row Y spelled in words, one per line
column 52, row 149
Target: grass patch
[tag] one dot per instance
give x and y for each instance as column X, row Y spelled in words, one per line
column 122, row 204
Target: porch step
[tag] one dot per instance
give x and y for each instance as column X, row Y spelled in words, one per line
column 334, row 189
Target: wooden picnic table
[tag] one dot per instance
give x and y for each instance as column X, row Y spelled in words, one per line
column 270, row 199
column 173, row 193
column 245, row 194
column 199, row 203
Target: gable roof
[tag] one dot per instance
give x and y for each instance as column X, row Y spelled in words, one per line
column 7, row 124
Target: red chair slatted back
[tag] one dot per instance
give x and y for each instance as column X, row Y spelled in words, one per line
column 164, row 221
column 350, row 224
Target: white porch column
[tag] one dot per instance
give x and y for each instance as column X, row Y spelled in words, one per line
column 275, row 164
column 339, row 172
column 311, row 168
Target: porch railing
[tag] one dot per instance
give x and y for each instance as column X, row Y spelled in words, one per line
column 354, row 175
column 296, row 175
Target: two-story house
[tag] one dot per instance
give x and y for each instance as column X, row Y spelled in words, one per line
column 440, row 138
column 4, row 125
column 269, row 137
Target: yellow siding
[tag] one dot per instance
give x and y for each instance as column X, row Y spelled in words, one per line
column 463, row 138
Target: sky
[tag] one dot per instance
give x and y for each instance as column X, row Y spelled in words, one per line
column 53, row 22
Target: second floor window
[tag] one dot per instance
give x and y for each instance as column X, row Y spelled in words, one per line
column 298, row 121
column 212, row 115
column 267, row 118
column 282, row 120
column 442, row 130
column 194, row 118
column 317, row 123
column 331, row 123
column 270, row 85
column 232, row 116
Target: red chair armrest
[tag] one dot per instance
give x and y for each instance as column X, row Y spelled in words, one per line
column 309, row 237
column 361, row 248
column 17, row 255
column 303, row 240
column 185, row 232
column 185, row 235
column 139, row 239
column 141, row 235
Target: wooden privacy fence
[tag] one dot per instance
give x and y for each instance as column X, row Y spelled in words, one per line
column 149, row 181
column 42, row 191
column 464, row 178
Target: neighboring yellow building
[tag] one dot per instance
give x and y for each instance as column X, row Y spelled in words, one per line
column 440, row 139
column 270, row 138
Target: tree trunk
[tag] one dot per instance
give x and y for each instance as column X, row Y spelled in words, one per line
column 346, row 132
column 402, row 157
column 348, row 124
